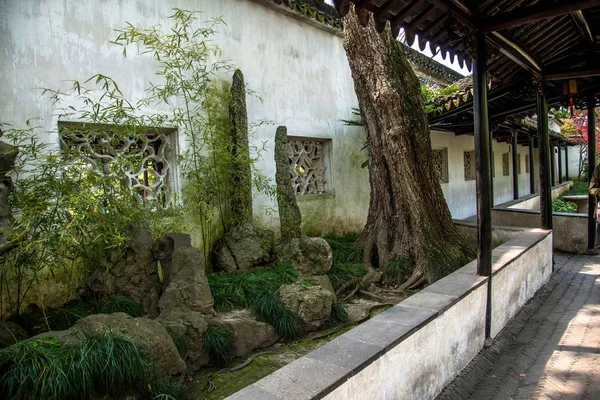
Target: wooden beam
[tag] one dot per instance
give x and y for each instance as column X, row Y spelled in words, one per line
column 525, row 15
column 460, row 11
column 515, row 52
column 582, row 73
column 583, row 26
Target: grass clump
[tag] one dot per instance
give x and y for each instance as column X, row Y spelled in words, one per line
column 215, row 342
column 578, row 188
column 107, row 366
column 345, row 249
column 122, row 304
column 339, row 315
column 257, row 290
column 342, row 273
column 396, row 272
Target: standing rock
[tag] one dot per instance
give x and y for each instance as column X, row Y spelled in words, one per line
column 310, row 304
column 187, row 327
column 163, row 251
column 247, row 333
column 322, row 281
column 137, row 273
column 188, row 285
column 147, row 334
column 308, row 255
column 241, row 197
column 289, row 213
column 244, row 247
column 11, row 333
column 8, row 156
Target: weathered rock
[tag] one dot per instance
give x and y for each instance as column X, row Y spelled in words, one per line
column 187, row 327
column 310, row 304
column 247, row 334
column 308, row 255
column 244, row 247
column 8, row 156
column 290, row 218
column 137, row 273
column 6, row 217
column 322, row 281
column 163, row 251
column 188, row 285
column 359, row 309
column 147, row 334
column 102, row 283
column 241, row 197
column 11, row 333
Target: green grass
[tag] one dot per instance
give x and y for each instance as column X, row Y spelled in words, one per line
column 342, row 273
column 122, row 304
column 396, row 272
column 108, row 366
column 339, row 315
column 215, row 342
column 578, row 188
column 345, row 249
column 257, row 290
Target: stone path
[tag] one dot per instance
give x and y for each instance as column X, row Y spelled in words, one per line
column 551, row 349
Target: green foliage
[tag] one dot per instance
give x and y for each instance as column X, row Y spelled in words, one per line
column 122, row 304
column 342, row 273
column 345, row 249
column 215, row 342
column 396, row 272
column 257, row 289
column 163, row 389
column 339, row 315
column 109, row 366
column 580, row 187
column 430, row 95
column 560, row 205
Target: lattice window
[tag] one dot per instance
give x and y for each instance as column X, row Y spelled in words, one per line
column 308, row 166
column 142, row 159
column 440, row 160
column 469, row 165
column 519, row 163
column 505, row 165
column 526, row 163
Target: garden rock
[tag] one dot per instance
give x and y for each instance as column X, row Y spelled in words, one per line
column 244, row 247
column 247, row 334
column 137, row 273
column 163, row 251
column 11, row 333
column 308, row 255
column 8, row 156
column 360, row 309
column 310, row 304
column 322, row 281
column 188, row 285
column 102, row 283
column 147, row 334
column 187, row 327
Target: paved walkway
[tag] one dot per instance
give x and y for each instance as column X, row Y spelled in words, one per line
column 551, row 349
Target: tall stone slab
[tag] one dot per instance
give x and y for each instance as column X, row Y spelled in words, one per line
column 289, row 214
column 241, row 199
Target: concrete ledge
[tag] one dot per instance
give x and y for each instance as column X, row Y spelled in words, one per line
column 414, row 349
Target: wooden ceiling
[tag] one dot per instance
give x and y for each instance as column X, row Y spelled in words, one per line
column 543, row 39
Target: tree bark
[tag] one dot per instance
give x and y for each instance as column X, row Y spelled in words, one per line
column 408, row 216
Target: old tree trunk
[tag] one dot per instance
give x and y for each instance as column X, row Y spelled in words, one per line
column 409, row 220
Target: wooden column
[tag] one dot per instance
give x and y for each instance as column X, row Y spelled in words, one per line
column 483, row 176
column 515, row 165
column 492, row 161
column 531, row 166
column 558, row 149
column 566, row 162
column 552, row 163
column 591, row 102
column 544, row 150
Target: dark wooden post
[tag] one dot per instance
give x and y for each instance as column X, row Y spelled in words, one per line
column 553, row 163
column 482, row 151
column 591, row 103
column 558, row 148
column 492, row 161
column 566, row 162
column 515, row 165
column 544, row 149
column 531, row 166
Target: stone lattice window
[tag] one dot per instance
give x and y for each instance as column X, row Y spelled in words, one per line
column 505, row 165
column 440, row 160
column 142, row 159
column 469, row 165
column 526, row 163
column 308, row 166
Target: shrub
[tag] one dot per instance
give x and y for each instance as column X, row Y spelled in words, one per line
column 215, row 342
column 339, row 315
column 560, row 205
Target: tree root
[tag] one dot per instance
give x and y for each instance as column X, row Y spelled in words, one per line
column 371, row 295
column 356, row 288
column 345, row 286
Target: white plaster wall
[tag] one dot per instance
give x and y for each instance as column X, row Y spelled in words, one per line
column 573, row 164
column 300, row 72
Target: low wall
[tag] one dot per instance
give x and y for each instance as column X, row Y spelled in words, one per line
column 532, row 201
column 414, row 349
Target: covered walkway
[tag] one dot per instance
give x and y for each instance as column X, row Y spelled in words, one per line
column 551, row 349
